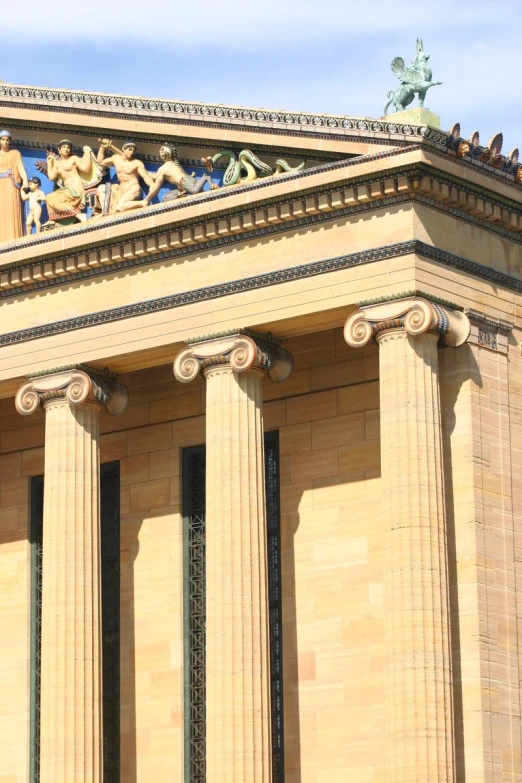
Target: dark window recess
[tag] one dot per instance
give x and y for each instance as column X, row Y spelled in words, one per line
column 110, row 568
column 193, row 493
column 193, row 471
column 36, row 624
column 275, row 616
column 110, row 572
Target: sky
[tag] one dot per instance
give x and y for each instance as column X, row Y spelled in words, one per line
column 328, row 56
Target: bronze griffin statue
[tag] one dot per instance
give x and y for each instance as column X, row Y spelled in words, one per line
column 416, row 79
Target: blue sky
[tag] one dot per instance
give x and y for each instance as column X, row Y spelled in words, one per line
column 326, row 56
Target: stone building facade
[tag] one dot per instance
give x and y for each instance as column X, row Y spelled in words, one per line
column 261, row 457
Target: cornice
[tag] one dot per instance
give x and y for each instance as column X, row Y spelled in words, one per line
column 265, row 280
column 95, row 371
column 203, row 114
column 419, row 181
column 418, row 184
column 480, row 319
column 410, row 295
column 206, row 196
column 266, row 338
column 26, row 144
column 144, row 136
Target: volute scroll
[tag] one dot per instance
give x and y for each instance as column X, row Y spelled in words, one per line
column 240, row 352
column 76, row 384
column 415, row 315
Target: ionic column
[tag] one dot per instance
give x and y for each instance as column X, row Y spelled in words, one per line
column 71, row 700
column 417, row 628
column 237, row 635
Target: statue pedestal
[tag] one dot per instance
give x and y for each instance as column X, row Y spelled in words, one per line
column 417, row 116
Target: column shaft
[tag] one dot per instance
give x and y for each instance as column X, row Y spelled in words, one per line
column 238, row 696
column 71, row 704
column 419, row 699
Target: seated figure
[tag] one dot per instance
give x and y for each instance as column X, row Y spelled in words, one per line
column 171, row 171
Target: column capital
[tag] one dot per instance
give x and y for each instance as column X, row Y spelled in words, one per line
column 76, row 383
column 414, row 314
column 240, row 351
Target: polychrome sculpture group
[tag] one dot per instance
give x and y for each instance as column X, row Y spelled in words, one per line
column 78, row 180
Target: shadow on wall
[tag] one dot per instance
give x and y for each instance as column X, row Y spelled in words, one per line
column 457, row 367
column 128, row 556
column 332, row 607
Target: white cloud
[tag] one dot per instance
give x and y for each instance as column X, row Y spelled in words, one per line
column 239, row 25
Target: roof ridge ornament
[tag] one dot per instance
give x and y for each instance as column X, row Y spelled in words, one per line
column 417, row 79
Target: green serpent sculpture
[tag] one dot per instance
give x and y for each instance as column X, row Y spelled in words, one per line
column 247, row 167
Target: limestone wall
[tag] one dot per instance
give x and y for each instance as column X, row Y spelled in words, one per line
column 327, row 415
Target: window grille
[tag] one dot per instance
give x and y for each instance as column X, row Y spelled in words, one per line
column 193, row 492
column 36, row 624
column 193, row 489
column 110, row 568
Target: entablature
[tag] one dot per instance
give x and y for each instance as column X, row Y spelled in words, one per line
column 219, row 218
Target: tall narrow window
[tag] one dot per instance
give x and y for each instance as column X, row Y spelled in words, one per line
column 110, row 593
column 193, row 470
column 193, row 473
column 36, row 623
column 110, row 567
column 273, row 530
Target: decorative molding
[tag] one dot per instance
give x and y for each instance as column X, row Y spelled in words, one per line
column 238, row 351
column 496, row 324
column 409, row 295
column 141, row 137
column 21, row 145
column 314, row 206
column 74, row 385
column 337, row 127
column 421, row 182
column 262, row 281
column 207, row 114
column 95, row 372
column 204, row 197
column 266, row 338
column 490, row 333
column 415, row 315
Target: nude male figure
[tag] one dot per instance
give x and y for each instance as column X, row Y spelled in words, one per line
column 171, row 171
column 128, row 169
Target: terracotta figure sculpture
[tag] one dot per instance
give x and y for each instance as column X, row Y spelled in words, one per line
column 171, row 171
column 12, row 177
column 73, row 174
column 35, row 198
column 125, row 195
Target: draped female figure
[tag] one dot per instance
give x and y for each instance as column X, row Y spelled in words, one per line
column 12, row 177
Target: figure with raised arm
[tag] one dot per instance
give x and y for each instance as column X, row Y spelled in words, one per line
column 35, row 197
column 127, row 194
column 171, row 171
column 12, row 177
column 73, row 174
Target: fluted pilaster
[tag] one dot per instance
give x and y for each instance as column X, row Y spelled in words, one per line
column 237, row 633
column 71, row 697
column 417, row 628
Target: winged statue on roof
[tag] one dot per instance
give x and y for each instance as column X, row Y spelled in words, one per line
column 417, row 79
